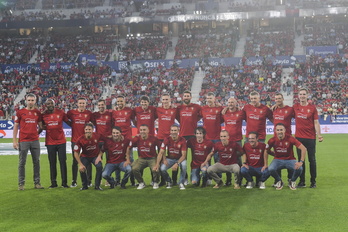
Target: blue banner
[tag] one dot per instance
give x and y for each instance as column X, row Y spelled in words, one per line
column 87, row 59
column 321, row 50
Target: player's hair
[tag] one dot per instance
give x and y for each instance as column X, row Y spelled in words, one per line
column 144, row 125
column 202, row 130
column 303, row 89
column 30, row 95
column 280, row 124
column 187, row 91
column 89, row 124
column 117, row 128
column 145, row 98
column 120, row 96
column 211, row 94
column 254, row 133
column 279, row 94
column 254, row 93
column 50, row 99
column 175, row 125
column 82, row 98
column 165, row 94
column 101, row 100
column 225, row 131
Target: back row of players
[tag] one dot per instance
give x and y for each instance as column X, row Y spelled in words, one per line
column 114, row 131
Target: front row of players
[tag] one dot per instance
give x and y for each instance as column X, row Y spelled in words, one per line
column 172, row 154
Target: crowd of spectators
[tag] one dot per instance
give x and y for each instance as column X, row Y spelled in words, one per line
column 238, row 81
column 17, row 49
column 66, row 87
column 152, row 82
column 326, row 34
column 101, row 14
column 253, row 5
column 327, row 80
column 274, row 43
column 149, row 11
column 69, row 4
column 153, row 47
column 67, row 48
column 198, row 43
column 11, row 84
column 25, row 4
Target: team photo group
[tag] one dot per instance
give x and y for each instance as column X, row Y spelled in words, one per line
column 166, row 136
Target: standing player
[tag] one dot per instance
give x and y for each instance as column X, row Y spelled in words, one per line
column 188, row 115
column 78, row 119
column 255, row 162
column 145, row 114
column 28, row 120
column 53, row 119
column 307, row 127
column 200, row 149
column 228, row 160
column 117, row 158
column 102, row 120
column 176, row 156
column 282, row 145
column 166, row 117
column 282, row 113
column 87, row 151
column 147, row 153
column 233, row 118
column 122, row 117
column 256, row 115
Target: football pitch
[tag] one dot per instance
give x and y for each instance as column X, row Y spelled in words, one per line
column 194, row 209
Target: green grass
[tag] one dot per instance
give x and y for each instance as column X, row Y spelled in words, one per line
column 195, row 209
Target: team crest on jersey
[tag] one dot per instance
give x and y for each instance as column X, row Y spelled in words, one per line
column 58, row 116
column 205, row 147
column 261, row 111
column 125, row 113
column 260, row 151
column 122, row 145
column 85, row 115
column 281, row 111
column 150, row 144
column 237, row 115
column 286, row 143
column 286, row 111
column 179, row 145
column 308, row 110
column 95, row 141
column 231, row 149
column 171, row 112
column 106, row 117
column 191, row 108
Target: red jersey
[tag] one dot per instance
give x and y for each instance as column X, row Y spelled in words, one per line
column 283, row 149
column 228, row 154
column 116, row 150
column 199, row 151
column 188, row 116
column 256, row 119
column 147, row 148
column 103, row 123
column 78, row 121
column 174, row 148
column 212, row 120
column 123, row 118
column 254, row 155
column 89, row 147
column 305, row 116
column 54, row 126
column 233, row 124
column 28, row 124
column 283, row 115
column 166, row 118
column 146, row 117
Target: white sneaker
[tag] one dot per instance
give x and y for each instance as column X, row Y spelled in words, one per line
column 182, row 187
column 155, row 185
column 292, row 185
column 250, row 185
column 141, row 185
column 262, row 185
